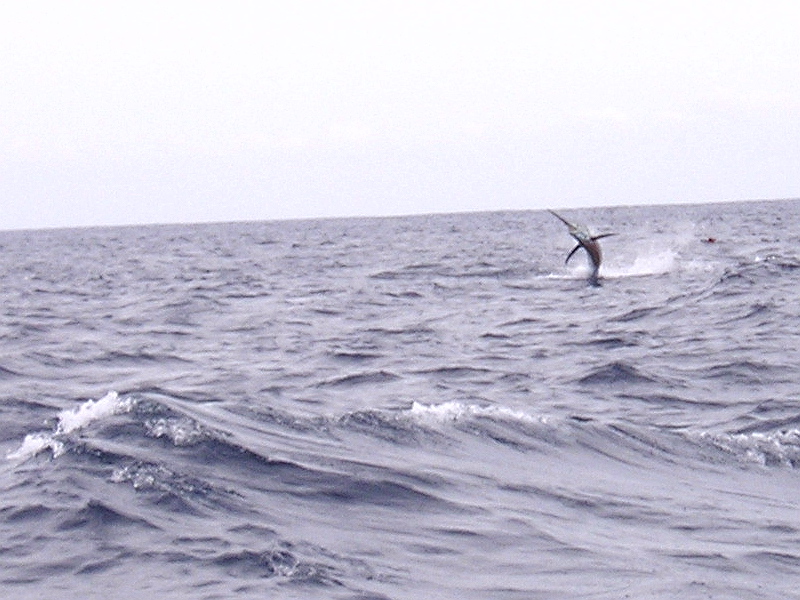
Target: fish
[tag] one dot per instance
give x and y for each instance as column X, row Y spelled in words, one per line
column 588, row 242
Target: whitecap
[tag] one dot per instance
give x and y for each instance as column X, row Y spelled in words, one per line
column 69, row 421
column 72, row 419
column 35, row 443
column 455, row 411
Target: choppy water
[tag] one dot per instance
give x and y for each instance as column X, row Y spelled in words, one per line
column 408, row 408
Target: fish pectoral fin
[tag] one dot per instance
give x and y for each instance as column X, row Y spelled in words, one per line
column 573, row 251
column 602, row 235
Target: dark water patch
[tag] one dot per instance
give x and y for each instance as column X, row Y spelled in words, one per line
column 356, row 379
column 411, row 330
column 673, row 401
column 355, row 357
column 495, row 336
column 387, row 275
column 522, row 322
column 458, row 532
column 780, row 562
column 326, row 312
column 781, row 529
column 708, row 560
column 408, row 295
column 455, row 372
column 252, row 529
column 6, row 373
column 755, row 310
column 747, row 372
column 408, row 272
column 515, row 378
column 139, row 358
column 428, row 549
column 608, row 343
column 96, row 516
column 97, row 567
column 616, row 373
column 581, row 419
column 249, row 295
column 357, row 490
column 601, row 505
column 766, row 426
column 35, row 513
column 484, row 271
column 635, row 315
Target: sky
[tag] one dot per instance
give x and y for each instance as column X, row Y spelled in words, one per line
column 116, row 113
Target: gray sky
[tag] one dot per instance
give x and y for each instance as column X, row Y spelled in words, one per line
column 145, row 112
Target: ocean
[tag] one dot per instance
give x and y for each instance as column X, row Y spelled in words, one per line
column 417, row 407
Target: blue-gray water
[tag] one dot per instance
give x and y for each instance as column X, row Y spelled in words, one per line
column 407, row 408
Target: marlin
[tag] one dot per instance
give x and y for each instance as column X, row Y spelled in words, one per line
column 588, row 242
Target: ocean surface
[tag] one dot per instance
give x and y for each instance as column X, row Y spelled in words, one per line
column 404, row 408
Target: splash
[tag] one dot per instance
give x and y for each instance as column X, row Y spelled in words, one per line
column 70, row 420
column 656, row 263
column 644, row 265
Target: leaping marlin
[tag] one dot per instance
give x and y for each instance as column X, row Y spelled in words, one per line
column 588, row 242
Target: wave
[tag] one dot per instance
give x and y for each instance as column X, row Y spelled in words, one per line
column 310, row 447
column 767, row 448
column 616, row 373
column 229, row 445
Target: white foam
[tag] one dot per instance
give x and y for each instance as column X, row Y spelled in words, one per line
column 35, row 443
column 455, row 411
column 778, row 447
column 91, row 410
column 70, row 420
column 182, row 431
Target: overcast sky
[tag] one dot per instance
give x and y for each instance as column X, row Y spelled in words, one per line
column 140, row 112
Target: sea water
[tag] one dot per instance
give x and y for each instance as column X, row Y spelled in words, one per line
column 407, row 408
